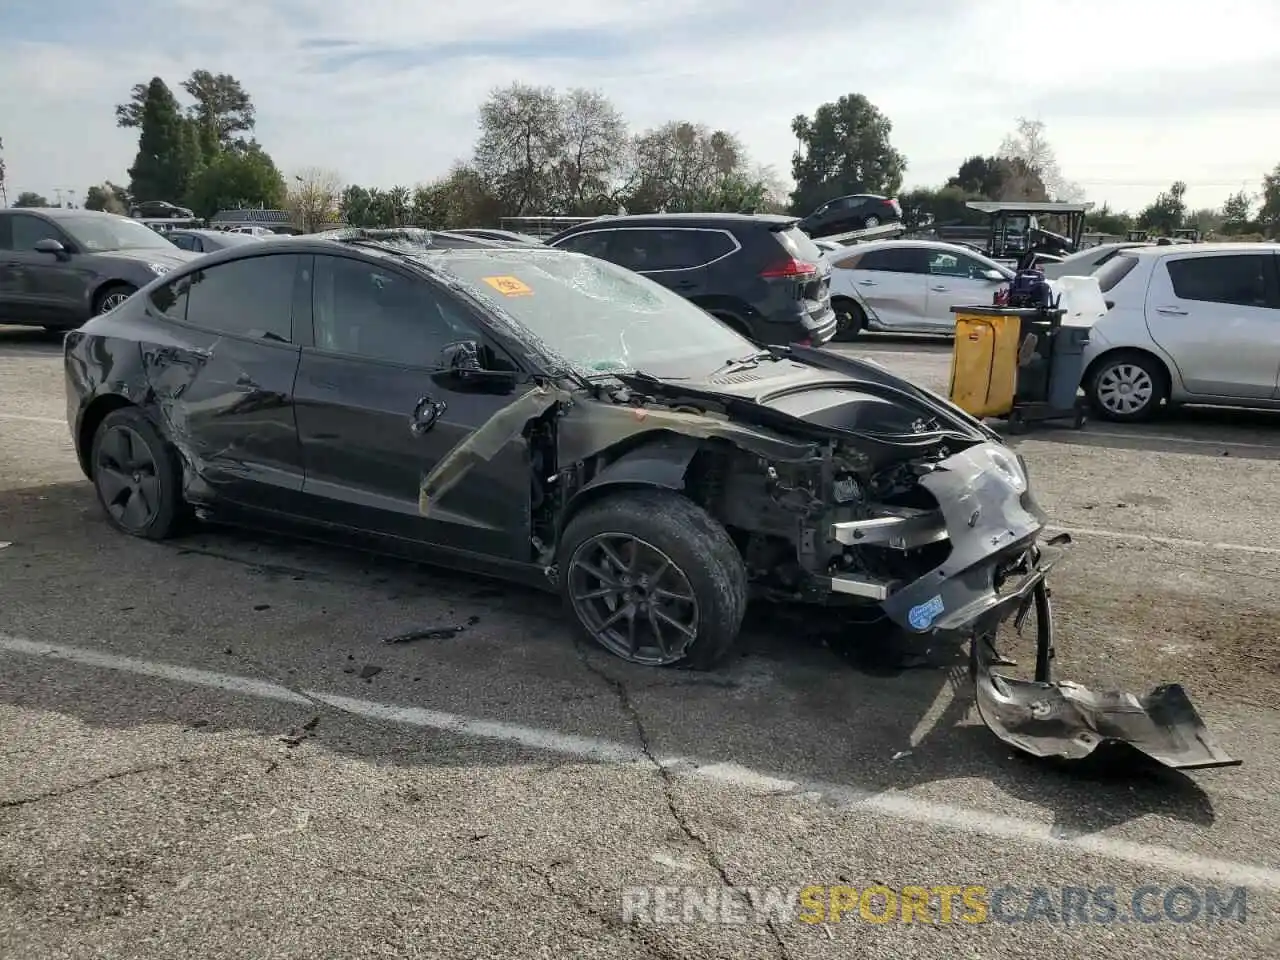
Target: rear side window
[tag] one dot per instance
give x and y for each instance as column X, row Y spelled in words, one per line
column 1115, row 270
column 1241, row 279
column 247, row 298
column 797, row 244
column 896, row 260
column 594, row 243
column 646, row 249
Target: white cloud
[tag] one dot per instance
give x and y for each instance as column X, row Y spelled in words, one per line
column 385, row 91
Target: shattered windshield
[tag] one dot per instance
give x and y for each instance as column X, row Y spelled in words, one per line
column 599, row 316
column 104, row 234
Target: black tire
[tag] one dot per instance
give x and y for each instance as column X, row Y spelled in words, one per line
column 152, row 470
column 851, row 319
column 108, row 295
column 701, row 557
column 1145, row 374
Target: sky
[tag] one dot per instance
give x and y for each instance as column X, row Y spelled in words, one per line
column 1133, row 95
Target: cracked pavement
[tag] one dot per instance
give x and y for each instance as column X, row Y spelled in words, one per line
column 207, row 749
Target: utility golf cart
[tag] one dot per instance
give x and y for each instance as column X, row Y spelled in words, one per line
column 1020, row 226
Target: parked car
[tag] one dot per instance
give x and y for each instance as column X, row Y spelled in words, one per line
column 857, row 211
column 160, row 209
column 909, row 285
column 756, row 273
column 1085, row 262
column 1187, row 323
column 207, row 241
column 547, row 417
column 59, row 267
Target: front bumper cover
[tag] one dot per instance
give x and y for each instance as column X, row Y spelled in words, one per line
column 997, row 570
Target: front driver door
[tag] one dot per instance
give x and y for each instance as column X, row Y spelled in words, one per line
column 375, row 414
column 956, row 279
column 50, row 288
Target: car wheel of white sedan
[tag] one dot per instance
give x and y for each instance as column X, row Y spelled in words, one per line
column 1127, row 387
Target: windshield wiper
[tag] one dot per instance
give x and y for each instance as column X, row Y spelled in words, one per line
column 744, row 363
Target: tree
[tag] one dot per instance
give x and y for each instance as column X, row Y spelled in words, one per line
column 460, row 199
column 30, row 198
column 2, row 188
column 162, row 168
column 844, row 149
column 1269, row 215
column 129, row 114
column 221, row 111
column 244, row 177
column 1236, row 213
column 1028, row 144
column 107, row 197
column 683, row 167
column 1105, row 220
column 593, row 143
column 1167, row 212
column 522, row 139
column 313, row 199
column 999, row 178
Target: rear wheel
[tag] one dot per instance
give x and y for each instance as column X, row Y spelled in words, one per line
column 654, row 579
column 871, row 222
column 1128, row 387
column 137, row 476
column 851, row 320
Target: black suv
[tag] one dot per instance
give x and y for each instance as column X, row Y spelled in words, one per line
column 859, row 211
column 757, row 273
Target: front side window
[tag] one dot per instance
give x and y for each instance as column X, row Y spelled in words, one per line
column 249, row 298
column 957, row 265
column 29, row 230
column 365, row 310
column 1241, row 279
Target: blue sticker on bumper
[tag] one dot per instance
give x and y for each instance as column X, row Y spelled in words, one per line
column 922, row 616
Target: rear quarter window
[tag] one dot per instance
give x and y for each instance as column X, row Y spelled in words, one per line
column 1115, row 270
column 798, row 245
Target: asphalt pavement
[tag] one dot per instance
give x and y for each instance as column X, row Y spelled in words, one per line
column 208, row 749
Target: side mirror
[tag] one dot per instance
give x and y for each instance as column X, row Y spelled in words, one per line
column 995, row 276
column 50, row 246
column 461, row 358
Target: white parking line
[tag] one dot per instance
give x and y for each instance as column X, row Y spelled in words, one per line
column 890, row 805
column 54, row 421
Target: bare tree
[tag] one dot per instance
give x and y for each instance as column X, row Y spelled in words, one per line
column 594, row 150
column 679, row 165
column 1028, row 144
column 522, row 138
column 312, row 198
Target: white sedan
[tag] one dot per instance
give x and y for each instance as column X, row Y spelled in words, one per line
column 909, row 286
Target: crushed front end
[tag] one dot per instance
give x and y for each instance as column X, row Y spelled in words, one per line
column 987, row 535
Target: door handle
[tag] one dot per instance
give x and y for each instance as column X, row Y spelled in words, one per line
column 940, row 289
column 425, row 414
column 1171, row 311
column 866, row 283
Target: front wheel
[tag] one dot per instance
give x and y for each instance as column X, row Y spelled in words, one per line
column 654, row 579
column 1127, row 387
column 137, row 476
column 111, row 297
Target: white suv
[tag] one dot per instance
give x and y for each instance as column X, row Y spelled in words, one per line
column 1193, row 323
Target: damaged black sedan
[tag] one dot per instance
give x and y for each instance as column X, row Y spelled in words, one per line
column 551, row 418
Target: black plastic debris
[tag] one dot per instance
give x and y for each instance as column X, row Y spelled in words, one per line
column 433, row 633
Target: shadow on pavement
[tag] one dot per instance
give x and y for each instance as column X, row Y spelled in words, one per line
column 800, row 701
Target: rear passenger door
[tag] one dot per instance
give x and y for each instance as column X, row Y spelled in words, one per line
column 222, row 367
column 894, row 284
column 1218, row 317
column 676, row 257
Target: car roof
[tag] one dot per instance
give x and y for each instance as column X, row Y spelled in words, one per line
column 1160, row 250
column 59, row 213
column 683, row 219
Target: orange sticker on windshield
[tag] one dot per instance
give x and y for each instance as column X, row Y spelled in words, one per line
column 509, row 286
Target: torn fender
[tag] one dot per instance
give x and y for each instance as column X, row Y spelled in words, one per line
column 485, row 443
column 1067, row 721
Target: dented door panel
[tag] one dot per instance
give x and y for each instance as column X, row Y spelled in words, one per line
column 227, row 404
